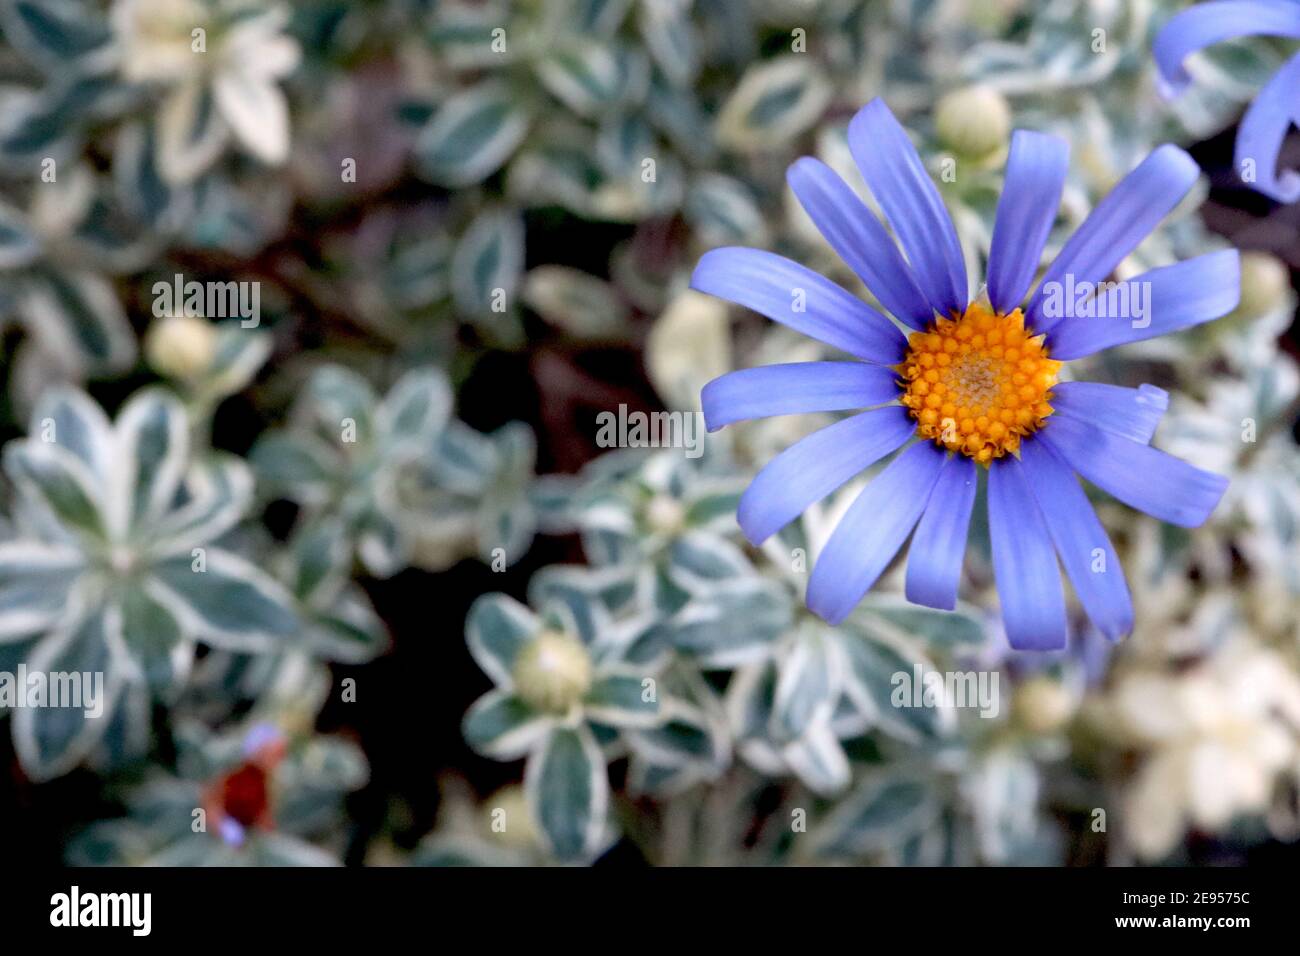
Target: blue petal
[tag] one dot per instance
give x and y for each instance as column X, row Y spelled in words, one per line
column 1175, row 297
column 1209, row 23
column 1024, row 564
column 897, row 177
column 1137, row 474
column 1119, row 222
column 796, row 388
column 262, row 735
column 1081, row 542
column 1031, row 194
column 786, row 292
column 232, row 831
column 935, row 556
column 1131, row 412
column 861, row 241
column 814, row 466
column 872, row 531
column 1263, row 130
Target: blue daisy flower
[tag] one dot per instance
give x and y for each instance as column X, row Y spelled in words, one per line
column 1265, row 124
column 975, row 381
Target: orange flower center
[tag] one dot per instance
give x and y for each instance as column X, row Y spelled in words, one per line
column 979, row 383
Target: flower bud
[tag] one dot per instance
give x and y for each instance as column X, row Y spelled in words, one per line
column 1043, row 705
column 553, row 672
column 509, row 819
column 181, row 346
column 665, row 515
column 973, row 121
column 1265, row 283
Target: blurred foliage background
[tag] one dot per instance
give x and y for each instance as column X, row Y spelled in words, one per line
column 471, row 226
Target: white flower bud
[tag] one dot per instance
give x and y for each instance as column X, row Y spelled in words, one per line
column 181, row 346
column 973, row 121
column 1265, row 284
column 553, row 672
column 665, row 515
column 508, row 818
column 1043, row 705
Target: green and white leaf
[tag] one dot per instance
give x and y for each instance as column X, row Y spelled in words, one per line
column 19, row 246
column 77, row 318
column 590, row 78
column 878, row 668
column 231, row 603
column 57, row 34
column 623, row 698
column 582, row 305
column 883, row 811
column 775, row 101
column 723, row 211
column 414, row 412
column 568, row 792
column 191, row 133
column 51, row 740
column 808, row 684
column 35, row 581
column 153, row 441
column 488, row 263
column 63, row 495
column 734, row 624
column 818, row 759
column 963, row 627
column 496, row 629
column 472, row 135
column 348, row 631
column 666, row 28
column 502, row 726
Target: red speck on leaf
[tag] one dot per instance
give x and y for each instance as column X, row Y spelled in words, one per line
column 244, row 794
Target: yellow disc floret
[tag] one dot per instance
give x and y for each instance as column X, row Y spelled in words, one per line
column 979, row 383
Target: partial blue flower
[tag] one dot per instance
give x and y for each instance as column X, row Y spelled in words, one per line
column 975, row 382
column 1265, row 125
